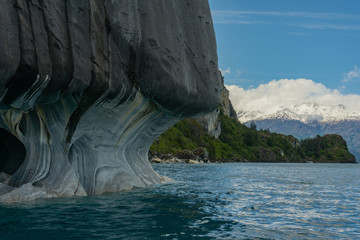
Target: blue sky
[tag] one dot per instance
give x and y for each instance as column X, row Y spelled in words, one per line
column 262, row 40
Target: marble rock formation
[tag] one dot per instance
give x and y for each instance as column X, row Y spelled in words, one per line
column 87, row 85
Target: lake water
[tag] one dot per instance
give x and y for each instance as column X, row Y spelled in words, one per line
column 207, row 201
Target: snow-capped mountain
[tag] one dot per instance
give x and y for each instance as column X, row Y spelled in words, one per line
column 305, row 112
column 308, row 120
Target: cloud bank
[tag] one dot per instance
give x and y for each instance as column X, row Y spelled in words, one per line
column 270, row 97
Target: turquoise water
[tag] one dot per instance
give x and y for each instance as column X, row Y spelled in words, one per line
column 209, row 201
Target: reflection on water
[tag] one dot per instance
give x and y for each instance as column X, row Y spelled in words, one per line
column 227, row 201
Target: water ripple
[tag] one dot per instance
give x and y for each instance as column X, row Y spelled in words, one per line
column 209, row 201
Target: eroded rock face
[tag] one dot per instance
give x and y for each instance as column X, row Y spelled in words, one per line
column 87, row 85
column 211, row 121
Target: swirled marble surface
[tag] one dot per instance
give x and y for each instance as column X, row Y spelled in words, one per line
column 87, row 85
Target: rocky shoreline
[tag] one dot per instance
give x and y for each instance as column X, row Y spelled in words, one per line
column 175, row 160
column 201, row 156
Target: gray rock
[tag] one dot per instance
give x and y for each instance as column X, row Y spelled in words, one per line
column 211, row 121
column 265, row 155
column 186, row 155
column 202, row 153
column 87, row 85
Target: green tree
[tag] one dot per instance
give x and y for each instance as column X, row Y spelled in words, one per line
column 253, row 125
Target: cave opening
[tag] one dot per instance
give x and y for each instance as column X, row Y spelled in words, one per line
column 12, row 152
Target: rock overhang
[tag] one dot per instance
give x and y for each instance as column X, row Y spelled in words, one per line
column 86, row 80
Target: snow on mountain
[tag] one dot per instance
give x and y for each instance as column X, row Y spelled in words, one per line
column 306, row 112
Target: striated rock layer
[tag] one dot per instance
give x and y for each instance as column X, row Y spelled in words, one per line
column 211, row 121
column 87, row 85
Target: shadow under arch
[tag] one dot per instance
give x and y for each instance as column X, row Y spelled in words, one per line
column 12, row 152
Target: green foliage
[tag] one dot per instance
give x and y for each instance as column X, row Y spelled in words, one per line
column 329, row 148
column 238, row 142
column 181, row 136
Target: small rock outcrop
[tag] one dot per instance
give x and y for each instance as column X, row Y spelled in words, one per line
column 186, row 155
column 87, row 85
column 202, row 154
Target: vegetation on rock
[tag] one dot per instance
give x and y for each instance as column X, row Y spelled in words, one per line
column 329, row 148
column 239, row 143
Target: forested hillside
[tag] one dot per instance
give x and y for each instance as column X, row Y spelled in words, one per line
column 239, row 143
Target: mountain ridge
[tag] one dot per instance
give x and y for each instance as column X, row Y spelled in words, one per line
column 305, row 112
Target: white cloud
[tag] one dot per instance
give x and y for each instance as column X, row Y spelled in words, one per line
column 352, row 75
column 270, row 97
column 311, row 15
column 225, row 71
column 307, row 20
column 336, row 26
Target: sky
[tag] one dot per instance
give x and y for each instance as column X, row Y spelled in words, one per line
column 261, row 41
